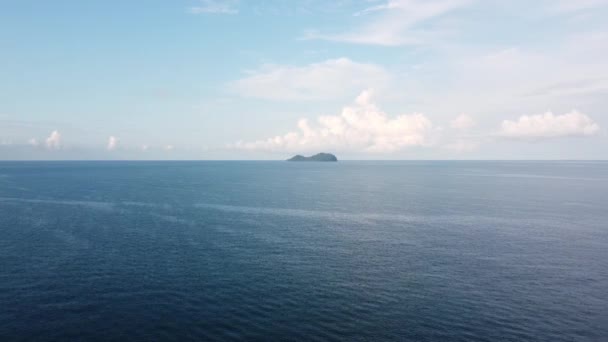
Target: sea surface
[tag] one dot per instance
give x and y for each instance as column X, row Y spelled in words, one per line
column 277, row 251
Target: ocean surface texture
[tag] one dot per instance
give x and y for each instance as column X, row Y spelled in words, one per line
column 277, row 251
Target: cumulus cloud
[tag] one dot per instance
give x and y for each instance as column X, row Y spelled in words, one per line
column 33, row 142
column 324, row 80
column 462, row 122
column 215, row 7
column 361, row 127
column 53, row 142
column 549, row 125
column 169, row 148
column 112, row 143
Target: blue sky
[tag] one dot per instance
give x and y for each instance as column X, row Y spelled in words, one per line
column 229, row 79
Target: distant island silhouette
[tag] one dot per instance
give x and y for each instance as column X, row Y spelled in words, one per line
column 319, row 157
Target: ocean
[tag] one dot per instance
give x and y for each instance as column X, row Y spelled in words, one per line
column 277, row 251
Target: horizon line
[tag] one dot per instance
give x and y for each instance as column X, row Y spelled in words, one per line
column 282, row 160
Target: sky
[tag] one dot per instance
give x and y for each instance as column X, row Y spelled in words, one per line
column 369, row 79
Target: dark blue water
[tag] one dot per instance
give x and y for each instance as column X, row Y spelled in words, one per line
column 370, row 251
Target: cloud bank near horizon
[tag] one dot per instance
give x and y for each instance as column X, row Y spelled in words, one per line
column 550, row 126
column 364, row 127
column 361, row 127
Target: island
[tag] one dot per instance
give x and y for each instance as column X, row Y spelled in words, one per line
column 319, row 157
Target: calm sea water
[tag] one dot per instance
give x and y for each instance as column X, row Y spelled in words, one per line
column 396, row 251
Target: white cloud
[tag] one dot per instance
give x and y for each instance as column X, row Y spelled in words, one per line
column 508, row 80
column 328, row 79
column 215, row 7
column 462, row 122
column 573, row 87
column 112, row 143
column 169, row 147
column 549, row 125
column 362, row 127
column 398, row 23
column 578, row 5
column 33, row 142
column 53, row 142
column 145, row 147
column 459, row 140
column 462, row 146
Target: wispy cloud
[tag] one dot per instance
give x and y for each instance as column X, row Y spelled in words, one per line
column 458, row 137
column 462, row 146
column 462, row 122
column 394, row 23
column 578, row 5
column 33, row 142
column 572, row 87
column 215, row 7
column 327, row 79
